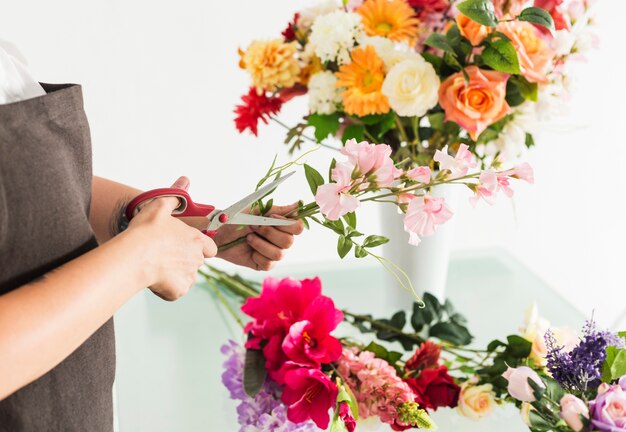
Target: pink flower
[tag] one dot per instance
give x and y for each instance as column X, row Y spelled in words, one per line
column 309, row 394
column 487, row 187
column 345, row 414
column 459, row 164
column 523, row 172
column 309, row 341
column 518, row 383
column 335, row 199
column 420, row 174
column 371, row 160
column 423, row 214
column 561, row 20
column 608, row 409
column 571, row 410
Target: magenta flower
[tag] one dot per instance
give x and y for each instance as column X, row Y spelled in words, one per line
column 309, row 394
column 608, row 410
column 335, row 199
column 345, row 414
column 423, row 214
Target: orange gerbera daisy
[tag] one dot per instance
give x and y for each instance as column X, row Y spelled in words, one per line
column 363, row 80
column 393, row 19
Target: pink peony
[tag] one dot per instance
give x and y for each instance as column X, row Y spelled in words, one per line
column 518, row 383
column 571, row 410
column 309, row 394
column 309, row 341
column 423, row 214
column 420, row 174
column 459, row 164
column 372, row 161
column 335, row 199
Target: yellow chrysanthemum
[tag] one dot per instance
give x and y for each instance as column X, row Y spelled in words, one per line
column 271, row 64
column 393, row 19
column 363, row 80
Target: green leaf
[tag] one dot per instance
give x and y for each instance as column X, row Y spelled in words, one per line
column 501, row 56
column 343, row 246
column 324, row 124
column 350, row 219
column 439, row 41
column 360, row 252
column 313, row 177
column 614, row 366
column 537, row 15
column 374, row 240
column 382, row 353
column 420, row 317
column 432, row 304
column 451, row 332
column 530, row 141
column 434, row 60
column 538, row 390
column 436, row 120
column 254, row 372
column 354, row 131
column 526, row 89
column 494, row 345
column 481, row 11
column 518, row 346
column 373, row 119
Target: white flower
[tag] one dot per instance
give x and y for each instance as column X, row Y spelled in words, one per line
column 307, row 17
column 391, row 53
column 333, row 35
column 563, row 42
column 412, row 87
column 511, row 142
column 324, row 96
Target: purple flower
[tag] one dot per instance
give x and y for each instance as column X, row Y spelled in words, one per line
column 263, row 413
column 608, row 410
column 580, row 369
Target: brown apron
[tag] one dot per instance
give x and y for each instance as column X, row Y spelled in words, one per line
column 45, row 193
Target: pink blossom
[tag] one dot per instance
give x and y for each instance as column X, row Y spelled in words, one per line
column 372, row 160
column 518, row 386
column 423, row 214
column 459, row 164
column 571, row 410
column 523, row 172
column 309, row 394
column 421, row 174
column 335, row 199
column 487, row 187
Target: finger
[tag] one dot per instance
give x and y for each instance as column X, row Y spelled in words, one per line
column 168, row 204
column 285, row 210
column 275, row 236
column 264, row 247
column 181, row 183
column 262, row 262
column 209, row 248
column 295, row 228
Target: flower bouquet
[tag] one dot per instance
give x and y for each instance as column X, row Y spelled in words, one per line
column 296, row 374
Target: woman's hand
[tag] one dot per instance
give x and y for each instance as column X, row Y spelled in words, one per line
column 264, row 245
column 174, row 251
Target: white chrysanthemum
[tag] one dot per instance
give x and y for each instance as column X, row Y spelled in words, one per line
column 333, row 35
column 307, row 17
column 324, row 97
column 412, row 87
column 389, row 51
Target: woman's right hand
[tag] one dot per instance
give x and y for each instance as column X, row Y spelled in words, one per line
column 173, row 250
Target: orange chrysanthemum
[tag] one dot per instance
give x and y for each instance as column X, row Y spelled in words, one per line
column 363, row 80
column 271, row 64
column 393, row 19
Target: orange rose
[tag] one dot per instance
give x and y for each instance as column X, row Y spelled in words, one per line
column 473, row 31
column 535, row 56
column 478, row 104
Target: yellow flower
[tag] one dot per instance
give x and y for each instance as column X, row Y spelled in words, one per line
column 271, row 64
column 476, row 402
column 363, row 80
column 393, row 19
column 309, row 69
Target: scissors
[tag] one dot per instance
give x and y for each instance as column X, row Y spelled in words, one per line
column 215, row 218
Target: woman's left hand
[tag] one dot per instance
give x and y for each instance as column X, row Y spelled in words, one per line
column 264, row 245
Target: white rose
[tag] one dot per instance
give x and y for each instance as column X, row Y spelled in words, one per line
column 476, row 402
column 324, row 96
column 412, row 87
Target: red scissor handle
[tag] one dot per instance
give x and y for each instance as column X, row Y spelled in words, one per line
column 186, row 208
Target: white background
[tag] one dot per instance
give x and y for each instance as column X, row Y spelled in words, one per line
column 161, row 79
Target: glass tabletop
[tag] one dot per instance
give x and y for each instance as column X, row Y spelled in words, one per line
column 169, row 360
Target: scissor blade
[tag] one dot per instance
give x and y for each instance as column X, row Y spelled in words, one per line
column 246, row 202
column 248, row 219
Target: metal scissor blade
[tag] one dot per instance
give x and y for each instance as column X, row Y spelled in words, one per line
column 246, row 202
column 248, row 219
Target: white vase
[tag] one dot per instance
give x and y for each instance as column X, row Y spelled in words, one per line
column 426, row 265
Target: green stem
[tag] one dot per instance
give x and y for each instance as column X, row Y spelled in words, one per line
column 275, row 120
column 400, row 126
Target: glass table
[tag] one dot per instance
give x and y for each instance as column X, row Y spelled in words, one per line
column 169, row 363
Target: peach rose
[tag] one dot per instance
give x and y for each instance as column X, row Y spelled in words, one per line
column 476, row 402
column 473, row 31
column 478, row 104
column 535, row 55
column 510, row 7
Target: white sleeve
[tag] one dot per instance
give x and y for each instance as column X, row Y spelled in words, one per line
column 16, row 82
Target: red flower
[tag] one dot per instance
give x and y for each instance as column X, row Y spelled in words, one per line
column 561, row 21
column 309, row 341
column 309, row 394
column 427, row 7
column 255, row 107
column 290, row 32
column 345, row 414
column 426, row 356
column 435, row 388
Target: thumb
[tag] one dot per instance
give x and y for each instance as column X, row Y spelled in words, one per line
column 181, row 183
column 209, row 248
column 169, row 204
column 289, row 210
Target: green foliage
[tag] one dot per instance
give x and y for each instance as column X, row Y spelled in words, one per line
column 537, row 15
column 511, row 353
column 343, row 246
column 481, row 11
column 374, row 240
column 354, row 131
column 614, row 366
column 382, row 353
column 324, row 124
column 500, row 55
column 526, row 89
column 254, row 372
column 313, row 177
column 439, row 41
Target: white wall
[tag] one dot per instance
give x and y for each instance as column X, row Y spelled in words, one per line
column 161, row 80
